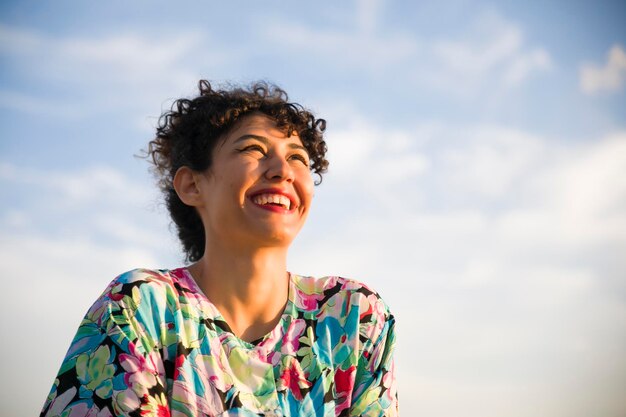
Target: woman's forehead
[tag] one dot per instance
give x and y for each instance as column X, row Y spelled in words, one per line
column 261, row 125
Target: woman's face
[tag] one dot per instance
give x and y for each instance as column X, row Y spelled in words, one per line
column 259, row 188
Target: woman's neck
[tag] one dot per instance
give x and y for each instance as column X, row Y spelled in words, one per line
column 250, row 289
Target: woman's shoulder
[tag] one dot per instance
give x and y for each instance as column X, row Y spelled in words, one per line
column 150, row 280
column 331, row 284
column 138, row 300
column 146, row 275
column 332, row 291
column 140, row 289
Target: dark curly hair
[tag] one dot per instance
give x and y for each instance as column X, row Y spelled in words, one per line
column 187, row 134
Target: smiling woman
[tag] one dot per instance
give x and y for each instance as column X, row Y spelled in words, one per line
column 233, row 333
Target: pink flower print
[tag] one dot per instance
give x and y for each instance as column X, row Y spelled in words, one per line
column 293, row 379
column 216, row 365
column 350, row 285
column 142, row 373
column 274, row 358
column 291, row 342
column 212, row 372
column 125, row 401
column 210, row 404
column 138, row 376
column 198, row 368
column 209, row 369
column 333, row 309
column 307, row 302
column 184, row 278
column 378, row 314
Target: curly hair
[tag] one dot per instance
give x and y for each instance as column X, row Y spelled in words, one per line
column 187, row 134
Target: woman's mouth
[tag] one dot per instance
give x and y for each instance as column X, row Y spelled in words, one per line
column 272, row 200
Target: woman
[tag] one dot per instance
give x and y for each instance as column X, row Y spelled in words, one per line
column 233, row 333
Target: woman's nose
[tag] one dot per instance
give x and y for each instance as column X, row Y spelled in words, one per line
column 279, row 169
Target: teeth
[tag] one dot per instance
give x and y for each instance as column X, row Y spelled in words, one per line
column 264, row 199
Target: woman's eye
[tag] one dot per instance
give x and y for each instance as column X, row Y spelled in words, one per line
column 253, row 148
column 301, row 158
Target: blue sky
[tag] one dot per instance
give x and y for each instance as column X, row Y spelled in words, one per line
column 477, row 178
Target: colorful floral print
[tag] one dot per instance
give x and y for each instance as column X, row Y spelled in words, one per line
column 154, row 345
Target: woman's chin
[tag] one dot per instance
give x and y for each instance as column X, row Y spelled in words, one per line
column 275, row 236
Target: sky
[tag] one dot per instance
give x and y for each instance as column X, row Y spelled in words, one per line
column 477, row 179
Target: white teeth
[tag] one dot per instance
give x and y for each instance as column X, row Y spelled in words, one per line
column 272, row 199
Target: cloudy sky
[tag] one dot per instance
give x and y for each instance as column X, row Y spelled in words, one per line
column 477, row 178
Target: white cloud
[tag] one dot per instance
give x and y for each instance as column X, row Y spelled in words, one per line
column 483, row 51
column 368, row 12
column 96, row 184
column 525, row 64
column 500, row 251
column 501, row 255
column 57, row 278
column 488, row 161
column 493, row 49
column 36, row 105
column 524, row 194
column 488, row 56
column 124, row 58
column 63, row 236
column 582, row 197
column 369, row 52
column 103, row 204
column 489, row 243
column 610, row 77
column 110, row 68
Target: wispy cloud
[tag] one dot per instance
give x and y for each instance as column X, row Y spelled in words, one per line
column 127, row 58
column 105, row 205
column 368, row 12
column 608, row 78
column 499, row 249
column 61, row 276
column 503, row 239
column 64, row 234
column 369, row 52
column 492, row 49
column 105, row 69
column 490, row 52
column 33, row 105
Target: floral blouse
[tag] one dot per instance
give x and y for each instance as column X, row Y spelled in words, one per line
column 154, row 345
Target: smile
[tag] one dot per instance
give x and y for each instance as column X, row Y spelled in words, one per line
column 272, row 200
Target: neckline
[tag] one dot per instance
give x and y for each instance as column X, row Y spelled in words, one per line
column 275, row 334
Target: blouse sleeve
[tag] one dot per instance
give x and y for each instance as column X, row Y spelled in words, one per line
column 107, row 370
column 375, row 390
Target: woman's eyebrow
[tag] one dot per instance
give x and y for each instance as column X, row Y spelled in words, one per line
column 262, row 139
column 298, row 146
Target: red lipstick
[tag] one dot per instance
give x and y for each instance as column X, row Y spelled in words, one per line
column 273, row 206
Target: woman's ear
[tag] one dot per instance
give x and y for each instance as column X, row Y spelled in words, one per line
column 186, row 186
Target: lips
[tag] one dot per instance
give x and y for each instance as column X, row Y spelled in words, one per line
column 273, row 199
